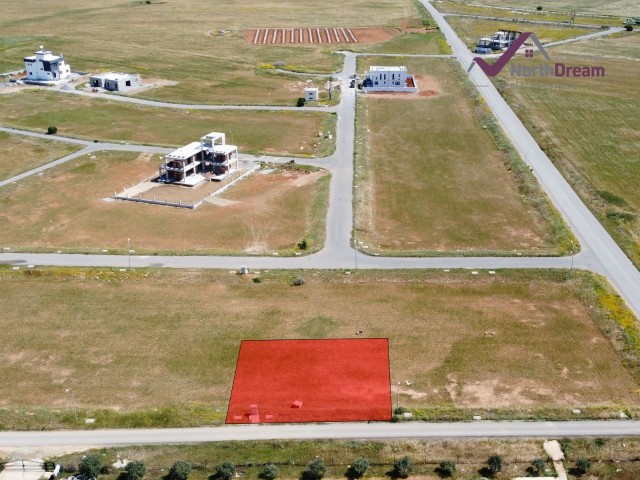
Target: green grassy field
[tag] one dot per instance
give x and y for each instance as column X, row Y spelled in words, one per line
column 471, row 29
column 589, row 128
column 494, row 344
column 278, row 133
column 521, row 14
column 424, row 188
column 65, row 209
column 20, row 154
column 612, row 459
column 180, row 41
column 623, row 45
column 428, row 43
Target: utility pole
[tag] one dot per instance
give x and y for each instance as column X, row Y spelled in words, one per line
column 73, row 398
column 129, row 251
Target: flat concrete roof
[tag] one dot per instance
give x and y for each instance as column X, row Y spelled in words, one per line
column 224, row 149
column 387, row 69
column 186, row 152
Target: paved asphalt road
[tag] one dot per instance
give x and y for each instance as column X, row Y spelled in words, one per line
column 613, row 263
column 22, row 442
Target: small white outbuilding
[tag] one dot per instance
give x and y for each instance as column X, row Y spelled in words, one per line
column 311, row 94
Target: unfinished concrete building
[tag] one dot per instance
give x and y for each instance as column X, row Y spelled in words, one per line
column 115, row 82
column 210, row 159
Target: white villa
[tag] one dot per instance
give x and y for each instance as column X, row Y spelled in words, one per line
column 44, row 67
column 209, row 159
column 388, row 79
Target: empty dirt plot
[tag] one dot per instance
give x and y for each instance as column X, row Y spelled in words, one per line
column 589, row 127
column 492, row 344
column 65, row 209
column 429, row 178
column 294, row 133
column 19, row 154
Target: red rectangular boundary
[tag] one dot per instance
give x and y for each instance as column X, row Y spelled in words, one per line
column 297, row 381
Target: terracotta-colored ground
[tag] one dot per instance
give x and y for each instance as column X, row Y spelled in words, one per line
column 297, row 381
column 319, row 34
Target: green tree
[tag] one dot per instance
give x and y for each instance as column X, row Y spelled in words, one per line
column 269, row 472
column 538, row 466
column 135, row 470
column 225, row 471
column 402, row 468
column 582, row 466
column 300, row 103
column 315, row 470
column 495, row 464
column 358, row 468
column 180, row 470
column 447, row 468
column 52, row 130
column 90, row 466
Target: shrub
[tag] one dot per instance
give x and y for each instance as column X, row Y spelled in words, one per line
column 402, row 468
column 539, row 7
column 225, row 471
column 298, row 282
column 300, row 103
column 315, row 470
column 106, row 470
column 90, row 466
column 582, row 466
column 269, row 472
column 358, row 468
column 135, row 470
column 52, row 130
column 303, row 245
column 447, row 468
column 399, row 410
column 538, row 466
column 600, row 442
column 257, row 280
column 69, row 468
column 180, row 470
column 495, row 464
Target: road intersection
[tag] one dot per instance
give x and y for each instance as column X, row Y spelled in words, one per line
column 599, row 254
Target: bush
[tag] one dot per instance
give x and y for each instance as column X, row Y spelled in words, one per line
column 399, row 410
column 52, row 130
column 582, row 466
column 268, row 472
column 69, row 468
column 106, row 470
column 495, row 464
column 300, row 103
column 180, row 470
column 358, row 468
column 90, row 466
column 225, row 471
column 446, row 469
column 135, row 470
column 298, row 282
column 402, row 468
column 538, row 466
column 315, row 470
column 539, row 7
column 303, row 245
column 257, row 280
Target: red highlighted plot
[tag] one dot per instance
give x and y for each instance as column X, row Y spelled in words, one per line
column 297, row 381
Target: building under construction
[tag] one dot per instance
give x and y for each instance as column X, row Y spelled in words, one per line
column 210, row 159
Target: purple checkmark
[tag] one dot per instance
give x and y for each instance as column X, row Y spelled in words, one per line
column 494, row 69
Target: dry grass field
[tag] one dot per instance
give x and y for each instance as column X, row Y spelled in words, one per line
column 278, row 133
column 594, row 7
column 590, row 128
column 180, row 41
column 19, row 154
column 524, row 14
column 129, row 341
column 425, row 186
column 471, row 29
column 611, row 459
column 65, row 210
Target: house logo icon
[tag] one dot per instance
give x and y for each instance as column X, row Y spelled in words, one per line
column 494, row 69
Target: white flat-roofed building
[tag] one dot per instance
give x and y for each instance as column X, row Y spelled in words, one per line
column 44, row 67
column 311, row 94
column 182, row 166
column 115, row 82
column 388, row 79
column 192, row 164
